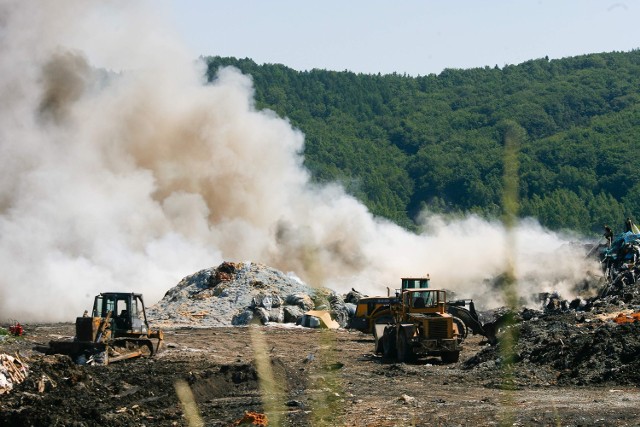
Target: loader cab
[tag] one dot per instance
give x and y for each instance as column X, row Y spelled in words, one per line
column 415, row 282
column 428, row 301
column 127, row 312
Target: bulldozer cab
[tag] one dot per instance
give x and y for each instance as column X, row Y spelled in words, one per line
column 127, row 312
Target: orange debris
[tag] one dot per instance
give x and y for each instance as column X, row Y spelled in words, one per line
column 252, row 418
column 627, row 318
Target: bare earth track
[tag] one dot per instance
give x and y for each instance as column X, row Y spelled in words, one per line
column 320, row 377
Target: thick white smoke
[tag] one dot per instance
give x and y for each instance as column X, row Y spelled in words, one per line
column 122, row 170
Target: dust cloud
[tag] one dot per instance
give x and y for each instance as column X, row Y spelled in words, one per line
column 123, row 170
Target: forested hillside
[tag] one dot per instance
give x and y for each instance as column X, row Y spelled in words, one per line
column 400, row 143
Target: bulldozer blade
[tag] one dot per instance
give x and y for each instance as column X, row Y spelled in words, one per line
column 126, row 356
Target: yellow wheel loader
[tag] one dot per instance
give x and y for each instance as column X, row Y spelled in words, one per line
column 378, row 310
column 420, row 327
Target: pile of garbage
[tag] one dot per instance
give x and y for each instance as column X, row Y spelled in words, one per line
column 582, row 341
column 237, row 294
column 577, row 342
column 565, row 349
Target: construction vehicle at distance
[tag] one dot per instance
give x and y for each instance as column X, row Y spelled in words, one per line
column 377, row 309
column 420, row 326
column 117, row 329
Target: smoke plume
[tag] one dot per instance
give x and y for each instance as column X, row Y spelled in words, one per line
column 122, row 170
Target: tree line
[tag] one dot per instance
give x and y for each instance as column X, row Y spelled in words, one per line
column 403, row 143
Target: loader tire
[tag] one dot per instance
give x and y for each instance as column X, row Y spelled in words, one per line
column 377, row 343
column 404, row 352
column 450, row 356
column 462, row 329
column 389, row 343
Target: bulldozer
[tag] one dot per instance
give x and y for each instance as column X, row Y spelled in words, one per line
column 116, row 330
column 420, row 326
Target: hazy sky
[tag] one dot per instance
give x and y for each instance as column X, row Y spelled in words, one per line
column 406, row 36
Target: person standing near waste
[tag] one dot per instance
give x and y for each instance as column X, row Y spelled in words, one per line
column 635, row 251
column 608, row 234
column 630, row 226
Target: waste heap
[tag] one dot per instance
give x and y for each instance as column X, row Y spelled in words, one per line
column 578, row 342
column 236, row 294
column 583, row 341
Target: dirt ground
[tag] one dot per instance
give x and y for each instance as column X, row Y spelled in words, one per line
column 298, row 377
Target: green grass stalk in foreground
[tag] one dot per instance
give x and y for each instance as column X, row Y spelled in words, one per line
column 273, row 396
column 328, row 405
column 189, row 405
column 513, row 134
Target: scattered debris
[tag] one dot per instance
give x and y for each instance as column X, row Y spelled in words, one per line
column 13, row 371
column 407, row 400
column 16, row 329
column 43, row 381
column 319, row 319
column 627, row 318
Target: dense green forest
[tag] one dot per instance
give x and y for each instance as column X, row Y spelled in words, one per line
column 401, row 143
